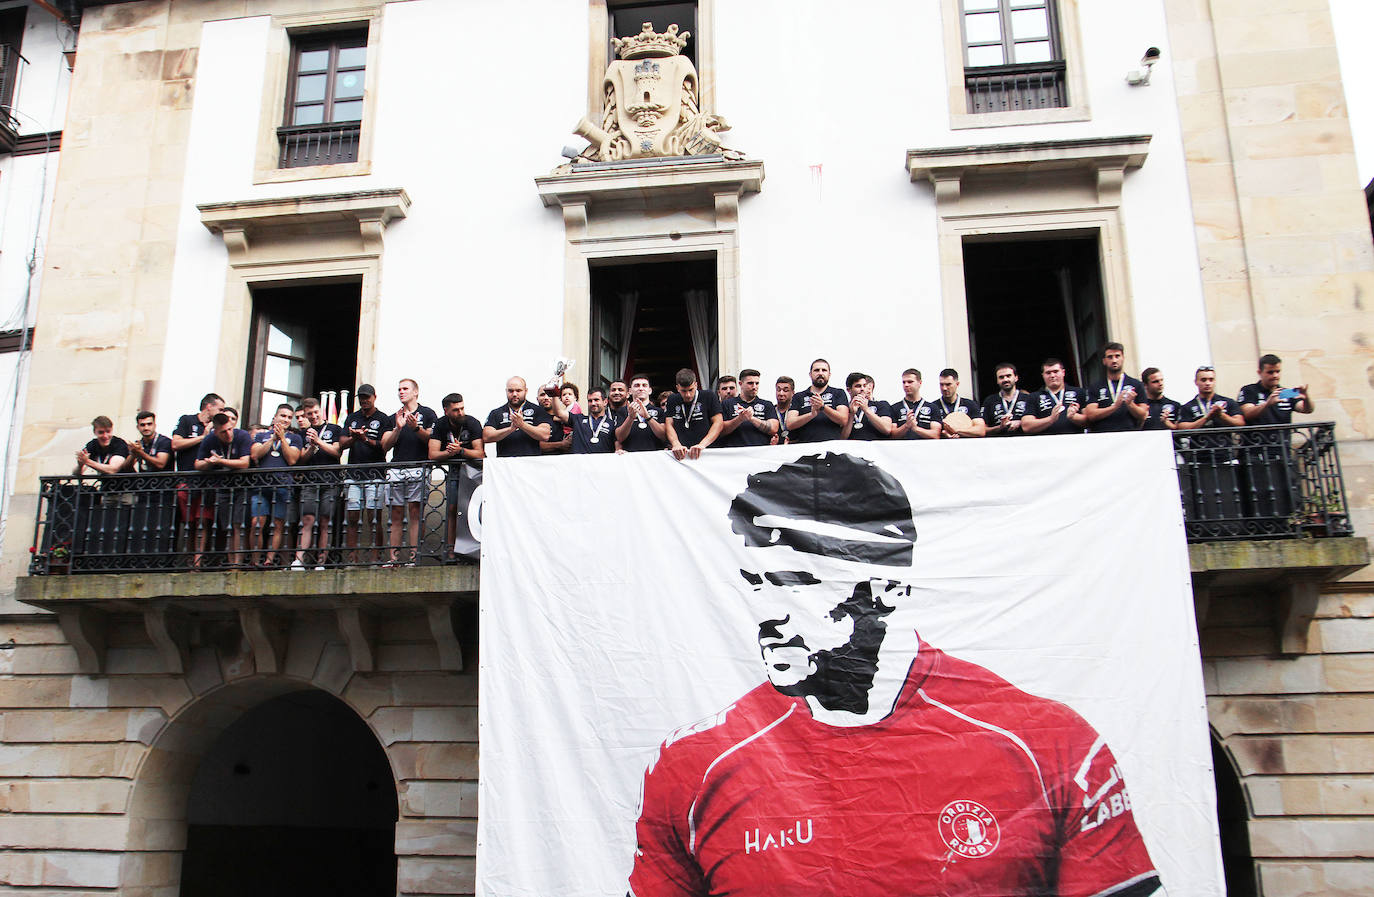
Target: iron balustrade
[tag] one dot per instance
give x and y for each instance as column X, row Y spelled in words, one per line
column 326, row 144
column 177, row 521
column 1261, row 482
column 1013, row 88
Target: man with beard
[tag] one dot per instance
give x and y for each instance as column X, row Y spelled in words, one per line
column 951, row 403
column 748, row 418
column 783, row 391
column 1003, row 410
column 1117, row 404
column 1056, row 408
column 153, row 531
column 868, row 419
column 819, row 413
column 362, row 436
column 925, row 773
column 456, row 437
column 592, row 433
column 1269, row 465
column 642, row 428
column 1161, row 412
column 519, row 426
column 912, row 416
column 618, row 400
column 692, row 417
column 727, row 387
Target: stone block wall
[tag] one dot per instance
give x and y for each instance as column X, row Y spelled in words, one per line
column 1300, row 731
column 95, row 772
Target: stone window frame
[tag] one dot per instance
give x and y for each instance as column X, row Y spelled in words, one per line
column 276, row 85
column 1077, row 192
column 1075, row 80
column 599, row 54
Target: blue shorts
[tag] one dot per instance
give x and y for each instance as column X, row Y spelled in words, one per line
column 275, row 501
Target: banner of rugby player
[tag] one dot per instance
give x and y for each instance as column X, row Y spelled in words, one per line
column 859, row 669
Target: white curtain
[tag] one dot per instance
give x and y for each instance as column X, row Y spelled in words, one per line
column 629, row 304
column 703, row 335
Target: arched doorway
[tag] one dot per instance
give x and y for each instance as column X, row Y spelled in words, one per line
column 294, row 797
column 1233, row 820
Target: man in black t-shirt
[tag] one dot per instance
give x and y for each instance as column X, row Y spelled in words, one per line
column 1268, row 453
column 186, row 439
column 618, row 399
column 1116, row 404
column 748, row 418
column 224, row 448
column 105, row 453
column 1211, row 475
column 457, row 437
column 642, row 428
column 151, row 452
column 408, row 487
column 868, row 419
column 1161, row 412
column 727, row 387
column 320, row 492
column 279, row 447
column 912, row 416
column 819, row 413
column 1056, row 409
column 560, row 437
column 783, row 391
column 950, row 402
column 1003, row 410
column 592, row 433
column 519, row 426
column 362, row 435
column 693, row 417
column 154, row 529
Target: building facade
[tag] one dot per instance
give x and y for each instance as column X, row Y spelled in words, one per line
column 943, row 183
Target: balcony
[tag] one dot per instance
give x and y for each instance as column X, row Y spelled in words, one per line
column 11, row 63
column 1015, row 88
column 326, row 144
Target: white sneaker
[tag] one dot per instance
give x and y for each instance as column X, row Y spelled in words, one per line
column 320, row 567
column 297, row 565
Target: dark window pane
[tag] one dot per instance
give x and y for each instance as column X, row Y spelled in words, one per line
column 310, row 88
column 313, row 61
column 350, row 111
column 352, row 57
column 628, row 19
column 348, row 85
column 308, row 115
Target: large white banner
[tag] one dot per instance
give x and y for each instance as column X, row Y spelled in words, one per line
column 961, row 667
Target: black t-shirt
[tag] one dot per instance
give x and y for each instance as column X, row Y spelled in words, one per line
column 746, row 433
column 701, row 409
column 1120, row 420
column 240, row 445
column 330, row 434
column 1156, row 408
column 940, row 409
column 520, row 444
column 903, row 409
column 369, row 450
column 1042, row 405
column 155, row 446
column 863, row 428
column 1281, row 412
column 188, row 427
column 592, row 435
column 997, row 408
column 274, row 457
column 641, row 437
column 1196, row 410
column 820, row 428
column 107, row 453
column 468, row 430
column 410, row 445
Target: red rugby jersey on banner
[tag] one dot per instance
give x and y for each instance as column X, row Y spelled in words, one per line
column 969, row 787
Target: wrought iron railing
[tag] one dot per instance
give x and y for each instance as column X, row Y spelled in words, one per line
column 1262, row 482
column 327, row 144
column 1013, row 88
column 175, row 521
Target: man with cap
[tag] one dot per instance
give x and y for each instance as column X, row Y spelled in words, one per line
column 926, row 774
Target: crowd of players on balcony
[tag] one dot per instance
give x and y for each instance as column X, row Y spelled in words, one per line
column 626, row 417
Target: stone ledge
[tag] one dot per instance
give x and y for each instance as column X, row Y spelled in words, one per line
column 1107, row 159
column 702, row 181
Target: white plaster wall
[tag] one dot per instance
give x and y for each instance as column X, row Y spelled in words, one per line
column 838, row 253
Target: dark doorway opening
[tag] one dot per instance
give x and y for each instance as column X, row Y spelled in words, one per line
column 627, row 18
column 296, row 797
column 1233, row 818
column 303, row 341
column 652, row 318
column 1030, row 299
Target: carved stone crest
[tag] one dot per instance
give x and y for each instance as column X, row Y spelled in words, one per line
column 652, row 105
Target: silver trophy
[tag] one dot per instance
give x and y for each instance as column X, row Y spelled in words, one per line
column 560, row 370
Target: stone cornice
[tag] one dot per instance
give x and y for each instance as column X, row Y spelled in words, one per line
column 1108, row 158
column 368, row 210
column 683, row 180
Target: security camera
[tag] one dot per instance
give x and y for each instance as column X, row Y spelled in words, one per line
column 1147, row 63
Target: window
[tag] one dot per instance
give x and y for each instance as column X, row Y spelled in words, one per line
column 1013, row 60
column 304, row 342
column 324, row 99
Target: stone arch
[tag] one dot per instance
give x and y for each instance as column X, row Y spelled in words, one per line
column 1234, row 812
column 159, row 799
